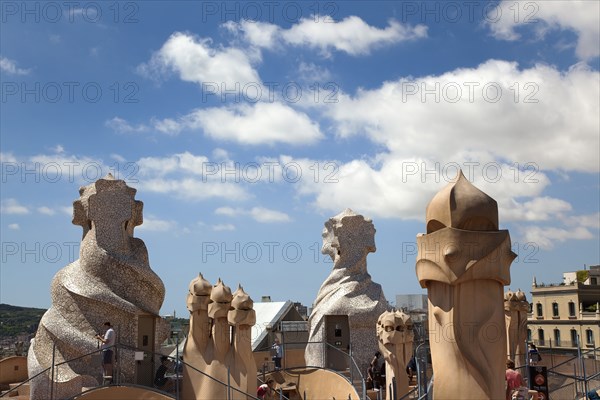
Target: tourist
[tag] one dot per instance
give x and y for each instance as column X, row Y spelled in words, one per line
column 411, row 368
column 108, row 342
column 160, row 380
column 534, row 355
column 371, row 375
column 514, row 380
column 278, row 350
column 593, row 395
column 266, row 390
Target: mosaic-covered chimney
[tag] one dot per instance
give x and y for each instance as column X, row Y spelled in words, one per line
column 111, row 281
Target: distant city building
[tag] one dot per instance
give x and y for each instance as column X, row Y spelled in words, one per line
column 562, row 313
column 302, row 309
column 410, row 302
column 416, row 306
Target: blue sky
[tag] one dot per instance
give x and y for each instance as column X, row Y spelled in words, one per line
column 244, row 126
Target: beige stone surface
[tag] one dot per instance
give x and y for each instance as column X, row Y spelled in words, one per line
column 111, row 281
column 218, row 343
column 316, row 383
column 464, row 262
column 122, row 393
column 516, row 308
column 13, row 369
column 396, row 336
column 348, row 238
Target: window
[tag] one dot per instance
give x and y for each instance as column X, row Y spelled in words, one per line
column 539, row 309
column 529, row 335
column 573, row 338
column 589, row 336
column 555, row 310
column 541, row 336
column 557, row 337
column 593, row 281
column 571, row 309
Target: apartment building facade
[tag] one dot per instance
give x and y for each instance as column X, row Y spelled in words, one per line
column 563, row 314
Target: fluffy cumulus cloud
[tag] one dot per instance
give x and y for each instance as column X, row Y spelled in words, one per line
column 351, row 35
column 13, row 207
column 121, row 125
column 400, row 187
column 187, row 176
column 9, row 66
column 259, row 214
column 46, row 210
column 256, row 124
column 588, row 221
column 154, row 224
column 223, row 227
column 250, row 124
column 537, row 116
column 548, row 237
column 579, row 16
column 195, row 59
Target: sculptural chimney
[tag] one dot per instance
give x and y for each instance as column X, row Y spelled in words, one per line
column 463, row 261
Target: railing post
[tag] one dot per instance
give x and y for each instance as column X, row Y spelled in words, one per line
column 228, row 383
column 527, row 363
column 52, row 372
column 350, row 364
column 582, row 360
column 178, row 366
column 364, row 389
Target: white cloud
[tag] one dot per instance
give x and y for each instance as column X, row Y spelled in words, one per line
column 10, row 67
column 180, row 162
column 588, row 221
column 253, row 124
column 122, row 126
column 552, row 124
column 67, row 210
column 259, row 214
column 168, row 126
column 265, row 215
column 14, row 227
column 193, row 189
column 538, row 209
column 220, row 154
column 69, row 168
column 223, row 227
column 259, row 34
column 12, row 206
column 195, row 60
column 547, row 237
column 351, row 35
column 228, row 211
column 118, row 158
column 260, row 123
column 7, row 158
column 581, row 17
column 153, row 224
column 46, row 210
column 187, row 176
column 312, row 73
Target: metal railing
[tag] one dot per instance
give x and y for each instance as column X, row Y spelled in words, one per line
column 118, row 380
column 356, row 376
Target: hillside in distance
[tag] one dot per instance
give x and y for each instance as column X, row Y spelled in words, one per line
column 15, row 320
